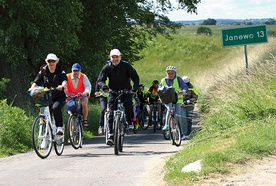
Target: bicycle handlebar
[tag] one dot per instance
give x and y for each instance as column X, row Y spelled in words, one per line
column 71, row 95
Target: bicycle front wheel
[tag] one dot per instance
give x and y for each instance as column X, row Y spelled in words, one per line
column 74, row 132
column 59, row 144
column 41, row 137
column 144, row 120
column 117, row 134
column 175, row 131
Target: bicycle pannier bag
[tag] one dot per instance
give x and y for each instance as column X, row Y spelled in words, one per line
column 72, row 106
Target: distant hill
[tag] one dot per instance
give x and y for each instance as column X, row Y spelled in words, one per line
column 226, row 21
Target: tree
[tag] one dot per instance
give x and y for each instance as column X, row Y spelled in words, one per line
column 78, row 30
column 209, row 21
column 270, row 21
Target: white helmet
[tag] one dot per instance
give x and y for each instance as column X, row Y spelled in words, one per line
column 186, row 79
column 173, row 68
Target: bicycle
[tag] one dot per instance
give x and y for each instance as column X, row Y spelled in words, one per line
column 75, row 128
column 155, row 116
column 44, row 128
column 143, row 117
column 119, row 123
column 167, row 96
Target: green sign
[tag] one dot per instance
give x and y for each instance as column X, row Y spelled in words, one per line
column 244, row 35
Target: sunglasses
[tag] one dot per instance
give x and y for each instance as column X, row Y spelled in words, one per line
column 75, row 70
column 170, row 73
column 51, row 61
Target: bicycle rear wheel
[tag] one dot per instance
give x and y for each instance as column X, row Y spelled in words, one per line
column 117, row 134
column 59, row 144
column 74, row 132
column 175, row 131
column 41, row 137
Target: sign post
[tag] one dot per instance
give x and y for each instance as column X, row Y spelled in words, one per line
column 244, row 36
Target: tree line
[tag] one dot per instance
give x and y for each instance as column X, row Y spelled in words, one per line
column 77, row 31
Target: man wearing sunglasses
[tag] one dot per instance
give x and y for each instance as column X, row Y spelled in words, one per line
column 52, row 75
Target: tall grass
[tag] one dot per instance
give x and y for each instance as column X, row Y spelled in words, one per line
column 239, row 118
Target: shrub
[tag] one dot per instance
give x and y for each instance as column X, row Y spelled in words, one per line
column 15, row 129
column 204, row 30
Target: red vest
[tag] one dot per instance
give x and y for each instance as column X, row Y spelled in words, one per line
column 70, row 86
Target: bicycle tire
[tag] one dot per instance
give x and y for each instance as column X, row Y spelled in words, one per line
column 117, row 123
column 59, row 144
column 166, row 134
column 155, row 124
column 38, row 131
column 175, row 131
column 144, row 120
column 74, row 132
column 106, row 115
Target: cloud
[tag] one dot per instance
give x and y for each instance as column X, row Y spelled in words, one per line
column 229, row 9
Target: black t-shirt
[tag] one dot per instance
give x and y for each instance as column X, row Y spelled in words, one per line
column 47, row 79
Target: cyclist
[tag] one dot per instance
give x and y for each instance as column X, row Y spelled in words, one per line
column 189, row 102
column 52, row 75
column 136, row 109
column 153, row 97
column 78, row 82
column 119, row 73
column 103, row 103
column 172, row 80
column 142, row 95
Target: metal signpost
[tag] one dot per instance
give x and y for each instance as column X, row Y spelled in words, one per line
column 244, row 36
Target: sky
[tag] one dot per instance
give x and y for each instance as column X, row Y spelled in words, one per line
column 228, row 9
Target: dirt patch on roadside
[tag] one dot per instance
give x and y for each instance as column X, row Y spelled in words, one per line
column 254, row 172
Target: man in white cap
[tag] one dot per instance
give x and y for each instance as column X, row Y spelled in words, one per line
column 120, row 73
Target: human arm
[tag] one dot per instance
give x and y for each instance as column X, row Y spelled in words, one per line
column 87, row 86
column 100, row 84
column 135, row 78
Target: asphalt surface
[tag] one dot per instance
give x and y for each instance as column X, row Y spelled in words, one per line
column 141, row 163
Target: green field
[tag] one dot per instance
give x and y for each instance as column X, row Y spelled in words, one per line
column 238, row 110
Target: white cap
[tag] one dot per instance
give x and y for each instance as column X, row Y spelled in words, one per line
column 51, row 56
column 115, row 52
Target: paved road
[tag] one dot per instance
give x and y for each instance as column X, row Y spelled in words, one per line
column 140, row 163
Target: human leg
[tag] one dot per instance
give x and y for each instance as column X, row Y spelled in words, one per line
column 110, row 132
column 182, row 113
column 57, row 105
column 127, row 102
column 189, row 109
column 103, row 103
column 84, row 104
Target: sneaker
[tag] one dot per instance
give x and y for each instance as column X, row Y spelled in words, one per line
column 100, row 130
column 43, row 143
column 166, row 127
column 185, row 137
column 60, row 131
column 110, row 142
column 136, row 127
column 130, row 126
